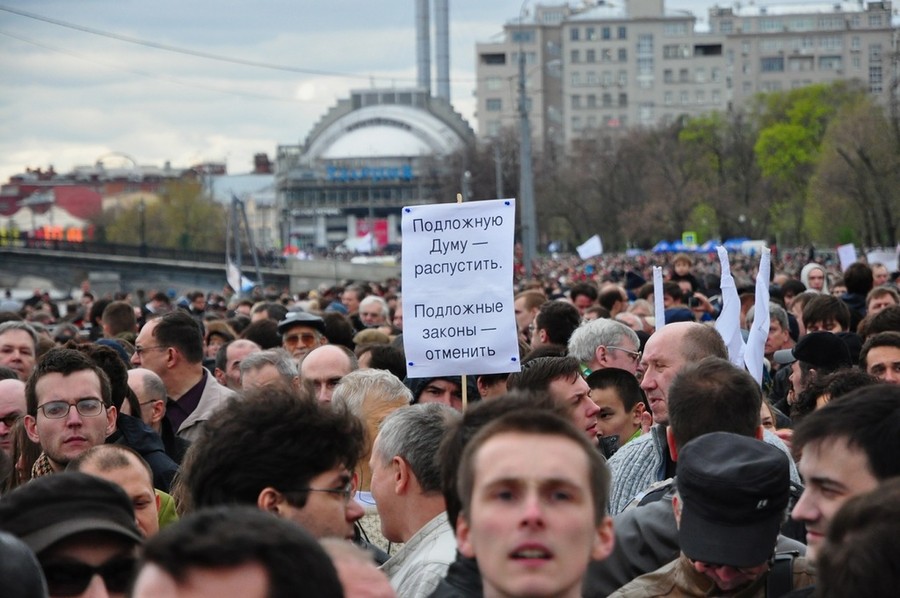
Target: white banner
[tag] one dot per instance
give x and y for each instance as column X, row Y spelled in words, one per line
column 458, row 315
column 590, row 248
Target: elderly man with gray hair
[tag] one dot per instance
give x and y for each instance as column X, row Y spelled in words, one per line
column 273, row 367
column 406, row 484
column 605, row 343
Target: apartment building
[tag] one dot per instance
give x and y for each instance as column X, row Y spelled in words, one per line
column 596, row 70
column 786, row 46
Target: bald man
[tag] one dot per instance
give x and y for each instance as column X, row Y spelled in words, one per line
column 325, row 366
column 12, row 407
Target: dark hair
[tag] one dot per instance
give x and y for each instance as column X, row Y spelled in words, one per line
column 558, row 319
column 836, row 384
column 109, row 361
column 8, row 373
column 713, row 396
column 625, row 384
column 825, row 308
column 275, row 311
column 587, row 289
column 384, row 356
column 180, row 330
column 792, row 288
column 537, row 374
column 268, row 437
column 881, row 339
column 867, row 418
column 609, row 297
column 224, row 537
column 476, row 417
column 96, row 312
column 264, row 333
column 119, row 317
column 858, row 278
column 338, row 329
column 64, row 361
column 537, row 422
column 861, row 547
column 673, row 290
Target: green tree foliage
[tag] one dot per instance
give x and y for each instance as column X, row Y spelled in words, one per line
column 183, row 218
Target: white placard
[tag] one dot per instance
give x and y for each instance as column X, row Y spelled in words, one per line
column 880, row 256
column 458, row 315
column 847, row 255
column 590, row 248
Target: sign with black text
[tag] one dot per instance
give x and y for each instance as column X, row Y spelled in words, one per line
column 458, row 315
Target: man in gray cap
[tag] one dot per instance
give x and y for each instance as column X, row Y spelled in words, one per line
column 732, row 497
column 82, row 530
column 301, row 332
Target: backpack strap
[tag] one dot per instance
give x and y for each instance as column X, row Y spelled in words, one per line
column 780, row 580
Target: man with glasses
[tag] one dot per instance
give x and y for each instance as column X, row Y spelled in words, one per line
column 12, row 407
column 605, row 343
column 171, row 346
column 301, row 332
column 283, row 453
column 69, row 403
column 406, row 486
column 82, row 530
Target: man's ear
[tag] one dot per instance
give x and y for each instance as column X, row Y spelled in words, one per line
column 676, row 507
column 670, row 440
column 31, row 429
column 269, row 500
column 220, row 376
column 402, row 473
column 760, row 432
column 111, row 415
column 637, row 413
column 600, row 354
column 158, row 412
column 604, row 540
column 463, row 537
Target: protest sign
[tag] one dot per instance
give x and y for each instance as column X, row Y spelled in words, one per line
column 458, row 315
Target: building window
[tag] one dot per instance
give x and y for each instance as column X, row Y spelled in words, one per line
column 590, row 34
column 623, row 33
column 576, row 101
column 854, row 42
column 684, row 76
column 607, row 100
column 677, row 28
column 857, row 62
column 493, row 83
column 747, row 87
column 716, row 96
column 668, row 76
column 875, row 79
column 772, row 65
column 605, row 33
column 606, row 55
column 606, row 78
column 590, row 56
column 726, row 27
column 875, row 21
column 716, row 74
column 591, row 78
column 575, row 56
column 700, row 96
column 667, row 98
column 493, row 128
column 523, row 36
column 493, row 105
column 830, row 63
column 875, row 54
column 576, row 79
column 700, row 75
column 745, row 47
column 623, row 78
column 576, row 123
column 685, row 98
column 645, row 114
column 573, row 34
column 592, row 101
column 623, row 55
column 623, row 100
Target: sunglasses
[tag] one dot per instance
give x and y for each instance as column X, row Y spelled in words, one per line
column 71, row 578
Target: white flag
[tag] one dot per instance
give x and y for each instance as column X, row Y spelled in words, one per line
column 590, row 248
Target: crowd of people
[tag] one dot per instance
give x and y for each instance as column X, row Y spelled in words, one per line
column 211, row 445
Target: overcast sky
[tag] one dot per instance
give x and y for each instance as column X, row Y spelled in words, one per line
column 69, row 97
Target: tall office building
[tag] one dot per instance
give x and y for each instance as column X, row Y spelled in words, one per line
column 595, row 71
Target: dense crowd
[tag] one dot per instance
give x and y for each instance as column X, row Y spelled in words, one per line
column 216, row 445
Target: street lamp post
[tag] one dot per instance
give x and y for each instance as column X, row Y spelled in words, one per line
column 526, row 175
column 142, row 209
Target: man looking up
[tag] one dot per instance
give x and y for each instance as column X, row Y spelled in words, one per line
column 69, row 408
column 172, row 347
column 18, row 346
column 533, row 494
column 406, row 486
